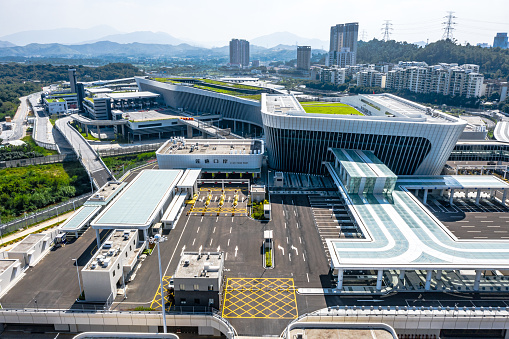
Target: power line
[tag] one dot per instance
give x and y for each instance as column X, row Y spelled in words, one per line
column 386, row 29
column 364, row 35
column 448, row 26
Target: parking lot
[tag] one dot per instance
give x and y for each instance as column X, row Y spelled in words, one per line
column 299, row 261
column 214, row 200
column 466, row 220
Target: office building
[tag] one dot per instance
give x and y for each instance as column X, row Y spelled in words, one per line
column 242, row 156
column 239, row 53
column 343, row 45
column 72, row 80
column 501, row 41
column 198, row 279
column 109, row 268
column 303, row 58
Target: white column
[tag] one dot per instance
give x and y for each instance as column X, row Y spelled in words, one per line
column 451, row 197
column 417, row 193
column 438, row 276
column 98, row 238
column 401, row 274
column 425, row 198
column 428, row 280
column 442, row 192
column 504, row 196
column 478, row 196
column 379, row 280
column 340, row 279
column 145, row 235
column 477, row 279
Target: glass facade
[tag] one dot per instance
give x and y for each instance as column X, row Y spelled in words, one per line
column 304, row 151
column 480, row 152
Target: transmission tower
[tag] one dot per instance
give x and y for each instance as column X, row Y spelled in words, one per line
column 448, row 26
column 386, row 29
column 364, row 35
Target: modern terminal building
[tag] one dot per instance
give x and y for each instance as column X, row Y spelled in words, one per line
column 214, row 156
column 402, row 239
column 407, row 137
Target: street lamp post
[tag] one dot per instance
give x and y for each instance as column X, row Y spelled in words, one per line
column 157, row 239
column 78, row 273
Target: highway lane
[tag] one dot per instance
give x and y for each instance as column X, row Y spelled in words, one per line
column 89, row 157
column 18, row 126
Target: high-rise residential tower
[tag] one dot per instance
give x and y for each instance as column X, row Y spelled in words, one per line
column 303, row 58
column 239, row 52
column 343, row 44
column 501, row 41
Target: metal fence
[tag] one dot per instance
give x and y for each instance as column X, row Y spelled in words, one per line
column 129, row 150
column 53, row 211
column 50, row 159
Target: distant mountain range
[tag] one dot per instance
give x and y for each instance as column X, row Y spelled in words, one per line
column 108, row 48
column 144, row 37
column 6, row 44
column 59, row 35
column 77, row 36
column 287, row 38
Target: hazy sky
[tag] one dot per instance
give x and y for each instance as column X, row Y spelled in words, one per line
column 220, row 20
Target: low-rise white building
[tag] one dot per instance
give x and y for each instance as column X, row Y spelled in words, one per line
column 10, row 269
column 31, row 249
column 56, row 106
column 110, row 266
column 212, row 155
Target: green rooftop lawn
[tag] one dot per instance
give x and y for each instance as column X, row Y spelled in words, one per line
column 234, row 93
column 229, row 84
column 329, row 108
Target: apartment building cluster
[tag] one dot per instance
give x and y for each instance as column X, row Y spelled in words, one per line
column 365, row 75
column 446, row 79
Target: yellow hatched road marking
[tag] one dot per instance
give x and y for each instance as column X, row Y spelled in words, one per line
column 269, row 298
column 156, row 301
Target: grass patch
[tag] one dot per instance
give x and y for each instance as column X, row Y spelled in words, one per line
column 125, row 162
column 10, row 242
column 30, row 188
column 229, row 84
column 257, row 210
column 143, row 308
column 52, row 121
column 234, row 93
column 329, row 108
column 31, row 143
column 268, row 257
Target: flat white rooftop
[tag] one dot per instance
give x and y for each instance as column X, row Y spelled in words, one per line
column 28, row 242
column 211, row 146
column 111, row 248
column 148, row 115
column 132, row 95
column 195, row 265
column 137, row 205
column 401, row 233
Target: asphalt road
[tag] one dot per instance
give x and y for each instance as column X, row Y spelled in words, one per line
column 241, row 239
column 53, row 282
column 466, row 220
column 88, row 155
column 18, row 121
